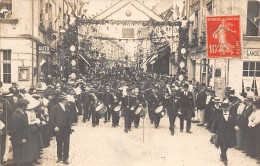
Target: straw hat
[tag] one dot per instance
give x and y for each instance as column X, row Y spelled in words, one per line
column 33, row 104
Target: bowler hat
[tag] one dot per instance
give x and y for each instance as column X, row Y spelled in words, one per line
column 217, row 100
column 185, row 86
column 22, row 102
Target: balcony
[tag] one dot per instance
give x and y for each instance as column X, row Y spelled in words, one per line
column 6, row 17
column 9, row 21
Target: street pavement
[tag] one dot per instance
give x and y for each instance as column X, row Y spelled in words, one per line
column 108, row 146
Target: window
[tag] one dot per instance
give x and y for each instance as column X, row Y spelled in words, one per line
column 253, row 18
column 251, row 69
column 6, row 66
column 204, row 71
column 5, row 9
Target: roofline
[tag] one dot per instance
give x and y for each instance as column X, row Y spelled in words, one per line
column 123, row 6
column 106, row 10
column 148, row 8
column 135, row 7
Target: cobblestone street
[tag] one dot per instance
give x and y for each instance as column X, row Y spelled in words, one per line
column 104, row 145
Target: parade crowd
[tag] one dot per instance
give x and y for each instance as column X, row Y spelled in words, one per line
column 31, row 119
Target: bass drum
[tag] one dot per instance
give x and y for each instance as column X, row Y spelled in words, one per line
column 117, row 110
column 160, row 110
column 140, row 111
column 101, row 109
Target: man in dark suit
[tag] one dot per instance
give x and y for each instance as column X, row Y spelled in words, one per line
column 62, row 127
column 18, row 132
column 186, row 108
column 128, row 103
column 225, row 123
column 108, row 101
column 86, row 104
column 171, row 103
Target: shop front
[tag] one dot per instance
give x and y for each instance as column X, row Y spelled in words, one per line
column 47, row 62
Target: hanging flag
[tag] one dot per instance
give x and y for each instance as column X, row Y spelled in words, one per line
column 254, row 87
column 177, row 11
column 80, row 9
column 57, row 18
column 183, row 13
column 73, row 12
column 243, row 93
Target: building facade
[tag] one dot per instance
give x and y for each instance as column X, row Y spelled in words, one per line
column 223, row 72
column 29, row 38
column 130, row 32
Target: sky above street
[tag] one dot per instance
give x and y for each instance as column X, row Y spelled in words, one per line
column 97, row 6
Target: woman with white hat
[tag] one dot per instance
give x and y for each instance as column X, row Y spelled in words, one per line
column 32, row 148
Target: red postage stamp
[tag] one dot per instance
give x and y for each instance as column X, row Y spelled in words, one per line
column 223, row 36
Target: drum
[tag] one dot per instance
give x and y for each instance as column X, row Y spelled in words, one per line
column 160, row 110
column 101, row 109
column 140, row 111
column 117, row 108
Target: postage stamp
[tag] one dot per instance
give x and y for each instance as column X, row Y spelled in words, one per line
column 223, row 36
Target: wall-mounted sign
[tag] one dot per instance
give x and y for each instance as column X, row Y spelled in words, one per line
column 223, row 35
column 252, row 52
column 128, row 33
column 23, row 73
column 43, row 49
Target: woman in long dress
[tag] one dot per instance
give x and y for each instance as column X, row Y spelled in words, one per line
column 32, row 148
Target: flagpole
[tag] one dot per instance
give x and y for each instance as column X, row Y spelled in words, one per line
column 143, row 130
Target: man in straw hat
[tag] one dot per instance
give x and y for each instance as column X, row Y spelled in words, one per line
column 62, row 126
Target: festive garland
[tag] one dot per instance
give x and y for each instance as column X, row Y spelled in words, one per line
column 128, row 22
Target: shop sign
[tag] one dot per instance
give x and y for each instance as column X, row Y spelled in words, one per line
column 43, row 49
column 252, row 52
column 128, row 33
column 223, row 36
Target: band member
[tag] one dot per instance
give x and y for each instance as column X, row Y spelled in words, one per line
column 94, row 102
column 108, row 99
column 148, row 95
column 126, row 105
column 225, row 123
column 186, row 110
column 140, row 102
column 171, row 104
column 62, row 127
column 157, row 100
column 116, row 107
column 86, row 104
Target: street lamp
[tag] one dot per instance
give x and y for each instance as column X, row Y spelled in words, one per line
column 72, row 48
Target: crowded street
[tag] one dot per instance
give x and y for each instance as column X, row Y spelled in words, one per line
column 105, row 145
column 130, row 82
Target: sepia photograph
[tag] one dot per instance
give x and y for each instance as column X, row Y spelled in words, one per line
column 129, row 82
